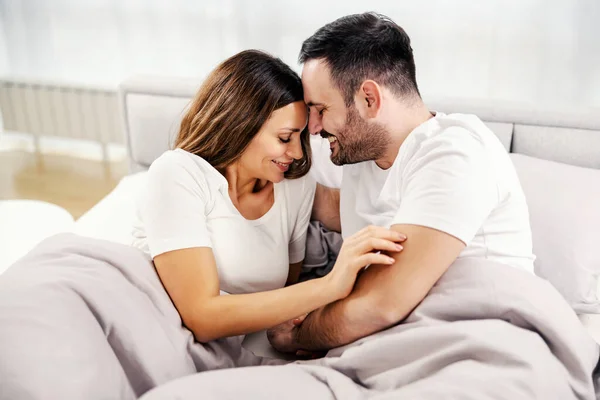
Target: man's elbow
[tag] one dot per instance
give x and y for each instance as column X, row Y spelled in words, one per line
column 368, row 313
column 387, row 312
column 391, row 315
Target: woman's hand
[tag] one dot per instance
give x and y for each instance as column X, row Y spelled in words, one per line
column 362, row 249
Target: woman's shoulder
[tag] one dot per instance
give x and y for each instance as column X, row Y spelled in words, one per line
column 179, row 159
column 184, row 167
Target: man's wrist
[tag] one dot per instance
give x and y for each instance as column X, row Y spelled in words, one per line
column 306, row 338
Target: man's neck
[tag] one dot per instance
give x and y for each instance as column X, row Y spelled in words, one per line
column 402, row 120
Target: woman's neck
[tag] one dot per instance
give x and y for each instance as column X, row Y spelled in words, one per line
column 240, row 182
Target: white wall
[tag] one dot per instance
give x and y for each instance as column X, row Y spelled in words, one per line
column 3, row 53
column 542, row 51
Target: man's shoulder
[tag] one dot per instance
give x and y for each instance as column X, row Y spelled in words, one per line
column 457, row 127
column 449, row 136
column 461, row 128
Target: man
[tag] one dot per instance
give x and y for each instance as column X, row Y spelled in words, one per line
column 443, row 180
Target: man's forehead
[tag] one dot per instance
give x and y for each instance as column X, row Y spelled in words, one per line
column 315, row 70
column 316, row 81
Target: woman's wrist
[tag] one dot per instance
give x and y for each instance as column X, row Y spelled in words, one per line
column 331, row 288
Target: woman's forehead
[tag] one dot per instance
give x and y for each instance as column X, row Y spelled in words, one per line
column 292, row 116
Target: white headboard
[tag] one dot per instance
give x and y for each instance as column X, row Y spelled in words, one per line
column 152, row 109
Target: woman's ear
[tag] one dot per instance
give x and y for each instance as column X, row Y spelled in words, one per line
column 369, row 99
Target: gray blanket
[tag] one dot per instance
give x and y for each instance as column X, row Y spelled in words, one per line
column 485, row 331
column 87, row 319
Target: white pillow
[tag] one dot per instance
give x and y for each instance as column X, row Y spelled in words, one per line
column 564, row 209
column 113, row 217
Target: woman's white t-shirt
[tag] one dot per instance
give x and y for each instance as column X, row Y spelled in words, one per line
column 186, row 204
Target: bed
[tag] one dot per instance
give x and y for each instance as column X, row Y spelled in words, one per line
column 557, row 157
column 152, row 108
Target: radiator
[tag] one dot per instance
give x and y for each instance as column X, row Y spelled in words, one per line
column 58, row 110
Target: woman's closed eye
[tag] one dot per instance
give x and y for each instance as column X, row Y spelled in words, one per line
column 285, row 140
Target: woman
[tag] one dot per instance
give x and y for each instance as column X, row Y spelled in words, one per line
column 228, row 209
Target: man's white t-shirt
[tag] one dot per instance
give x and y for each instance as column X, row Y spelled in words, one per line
column 186, row 204
column 451, row 174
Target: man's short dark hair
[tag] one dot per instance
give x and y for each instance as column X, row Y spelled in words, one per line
column 364, row 46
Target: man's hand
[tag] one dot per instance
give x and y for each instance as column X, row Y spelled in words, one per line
column 383, row 295
column 283, row 336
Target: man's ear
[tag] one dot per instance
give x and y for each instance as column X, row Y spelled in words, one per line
column 368, row 99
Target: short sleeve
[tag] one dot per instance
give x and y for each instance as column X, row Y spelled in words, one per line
column 297, row 246
column 448, row 185
column 174, row 210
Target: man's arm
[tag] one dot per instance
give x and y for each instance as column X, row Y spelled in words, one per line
column 326, row 207
column 383, row 296
column 463, row 196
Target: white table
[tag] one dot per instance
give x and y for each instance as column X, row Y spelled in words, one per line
column 24, row 223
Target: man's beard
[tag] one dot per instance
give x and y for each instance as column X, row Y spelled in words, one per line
column 362, row 141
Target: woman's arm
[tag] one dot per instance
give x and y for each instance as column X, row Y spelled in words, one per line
column 191, row 279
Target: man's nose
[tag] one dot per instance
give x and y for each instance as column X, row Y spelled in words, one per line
column 314, row 124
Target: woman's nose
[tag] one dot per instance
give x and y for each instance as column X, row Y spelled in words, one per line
column 295, row 150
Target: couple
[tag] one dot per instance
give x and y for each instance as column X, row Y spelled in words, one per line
column 228, row 209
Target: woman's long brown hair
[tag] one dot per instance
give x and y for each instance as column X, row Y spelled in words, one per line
column 234, row 102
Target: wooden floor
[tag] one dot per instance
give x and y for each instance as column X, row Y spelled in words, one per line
column 72, row 183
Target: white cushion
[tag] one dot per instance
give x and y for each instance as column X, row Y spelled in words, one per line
column 153, row 123
column 564, row 208
column 112, row 218
column 25, row 223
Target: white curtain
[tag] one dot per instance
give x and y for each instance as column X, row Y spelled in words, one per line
column 539, row 51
